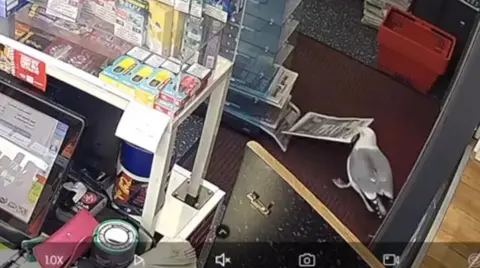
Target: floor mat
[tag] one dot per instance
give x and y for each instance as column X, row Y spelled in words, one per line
column 336, row 23
column 332, row 83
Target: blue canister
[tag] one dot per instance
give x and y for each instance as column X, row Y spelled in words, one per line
column 136, row 160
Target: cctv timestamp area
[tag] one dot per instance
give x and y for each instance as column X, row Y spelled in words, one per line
column 283, row 254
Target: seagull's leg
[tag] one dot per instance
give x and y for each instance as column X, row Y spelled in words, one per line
column 340, row 184
column 367, row 205
column 366, row 202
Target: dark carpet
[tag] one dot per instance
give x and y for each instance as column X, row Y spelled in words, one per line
column 334, row 84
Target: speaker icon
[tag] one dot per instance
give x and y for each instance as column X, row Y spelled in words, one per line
column 222, row 260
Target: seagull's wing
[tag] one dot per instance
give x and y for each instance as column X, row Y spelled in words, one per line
column 371, row 171
column 384, row 172
column 360, row 171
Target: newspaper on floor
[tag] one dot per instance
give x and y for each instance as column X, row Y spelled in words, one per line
column 291, row 116
column 330, row 128
column 281, row 88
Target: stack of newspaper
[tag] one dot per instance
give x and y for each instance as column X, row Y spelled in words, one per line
column 270, row 111
column 374, row 11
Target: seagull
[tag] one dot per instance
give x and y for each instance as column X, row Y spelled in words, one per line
column 369, row 172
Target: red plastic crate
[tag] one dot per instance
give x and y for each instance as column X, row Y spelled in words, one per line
column 413, row 50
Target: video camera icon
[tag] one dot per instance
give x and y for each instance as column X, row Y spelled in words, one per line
column 222, row 260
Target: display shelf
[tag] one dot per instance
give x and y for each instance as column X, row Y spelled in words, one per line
column 268, row 38
column 98, row 88
column 214, row 88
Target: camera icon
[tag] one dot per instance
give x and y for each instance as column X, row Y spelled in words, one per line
column 307, row 260
column 390, row 260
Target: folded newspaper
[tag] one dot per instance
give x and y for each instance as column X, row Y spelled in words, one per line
column 278, row 92
column 330, row 128
column 292, row 114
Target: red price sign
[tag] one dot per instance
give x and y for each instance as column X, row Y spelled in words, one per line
column 30, row 70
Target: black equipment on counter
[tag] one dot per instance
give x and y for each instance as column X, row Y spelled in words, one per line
column 75, row 196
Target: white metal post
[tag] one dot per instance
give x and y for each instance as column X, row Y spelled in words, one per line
column 209, row 133
column 158, row 181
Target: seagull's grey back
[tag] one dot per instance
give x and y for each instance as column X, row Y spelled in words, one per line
column 370, row 170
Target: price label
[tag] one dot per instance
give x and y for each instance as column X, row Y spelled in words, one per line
column 30, row 70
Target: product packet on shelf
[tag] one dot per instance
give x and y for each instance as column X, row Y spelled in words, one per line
column 7, row 61
column 155, row 61
column 201, row 72
column 114, row 73
column 86, row 60
column 208, row 55
column 149, row 91
column 183, row 6
column 159, row 29
column 37, row 39
column 218, row 9
column 135, row 79
column 196, row 8
column 97, row 64
column 21, row 29
column 65, row 9
column 179, row 20
column 173, row 95
column 174, row 65
column 193, row 38
column 60, row 49
column 189, row 87
column 79, row 57
column 139, row 53
column 38, row 12
column 72, row 28
column 108, row 44
column 131, row 20
column 102, row 9
column 89, row 18
column 36, row 16
column 167, row 108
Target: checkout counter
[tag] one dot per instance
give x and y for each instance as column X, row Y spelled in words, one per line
column 74, row 219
